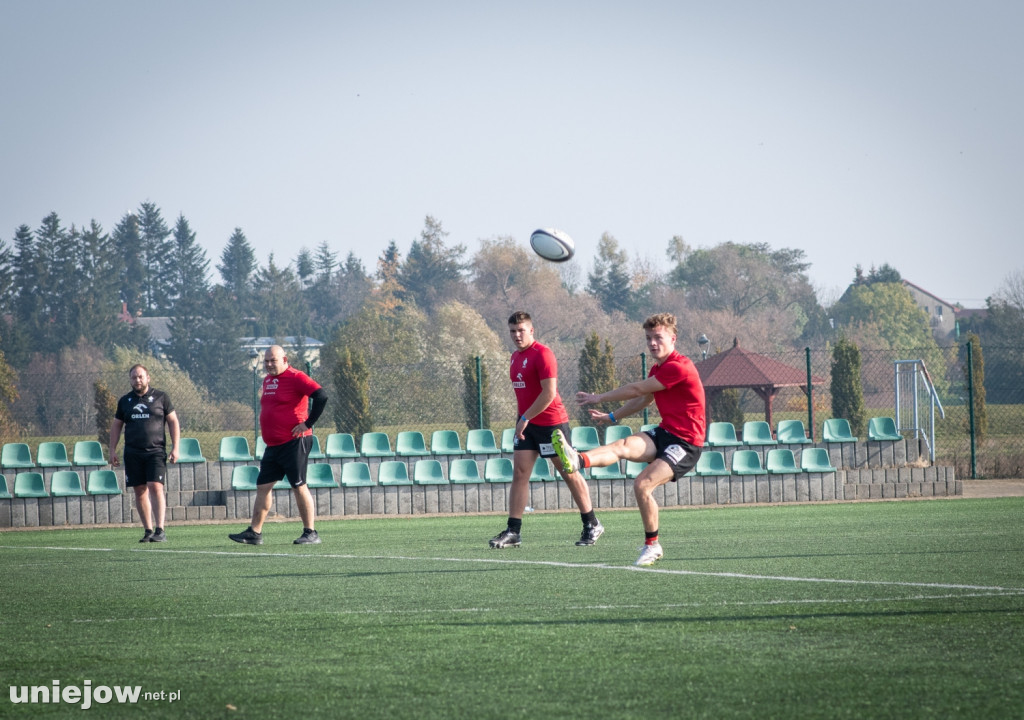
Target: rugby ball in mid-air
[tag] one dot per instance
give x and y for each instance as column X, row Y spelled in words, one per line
column 553, row 245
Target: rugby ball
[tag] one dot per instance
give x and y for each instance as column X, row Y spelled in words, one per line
column 553, row 245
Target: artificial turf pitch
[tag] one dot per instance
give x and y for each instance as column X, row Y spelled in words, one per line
column 863, row 610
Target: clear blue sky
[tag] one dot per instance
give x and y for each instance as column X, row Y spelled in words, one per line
column 868, row 132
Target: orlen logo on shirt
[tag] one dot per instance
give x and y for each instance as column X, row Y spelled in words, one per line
column 518, row 382
column 140, row 412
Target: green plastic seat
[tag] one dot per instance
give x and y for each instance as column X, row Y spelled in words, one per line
column 883, row 428
column 375, row 444
column 5, row 493
column 393, row 472
column 410, row 442
column 315, row 453
column 102, row 482
column 341, row 445
column 758, row 432
column 711, row 462
column 648, row 426
column 243, row 477
column 356, row 474
column 816, row 460
column 320, row 475
column 609, row 472
column 836, row 430
column 614, row 433
column 633, row 469
column 746, row 462
column 88, row 453
column 508, row 440
column 234, row 448
column 721, row 434
column 791, row 432
column 498, row 470
column 66, row 483
column 481, row 442
column 261, row 447
column 52, row 454
column 16, row 455
column 584, row 437
column 542, row 471
column 29, row 485
column 428, row 472
column 283, row 484
column 780, row 461
column 464, row 471
column 445, row 442
column 189, row 451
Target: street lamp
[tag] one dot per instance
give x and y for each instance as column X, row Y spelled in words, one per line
column 254, row 361
column 703, row 341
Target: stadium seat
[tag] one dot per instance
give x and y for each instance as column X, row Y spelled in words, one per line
column 29, row 485
column 609, row 472
column 393, row 472
column 445, row 442
column 16, row 455
column 52, row 454
column 320, row 475
column 542, row 471
column 315, row 453
column 375, row 444
column 261, row 447
column 283, row 484
column 481, row 442
column 243, row 477
column 428, row 472
column 758, row 432
column 711, row 462
column 189, row 451
column 780, row 461
column 234, row 449
column 498, row 470
column 464, row 471
column 648, row 426
column 584, row 437
column 791, row 432
column 816, row 460
column 633, row 469
column 721, row 434
column 5, row 494
column 88, row 453
column 746, row 462
column 614, row 433
column 102, row 482
column 356, row 474
column 341, row 445
column 508, row 440
column 66, row 483
column 836, row 430
column 883, row 428
column 410, row 443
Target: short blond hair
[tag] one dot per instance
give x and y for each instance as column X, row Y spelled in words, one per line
column 665, row 320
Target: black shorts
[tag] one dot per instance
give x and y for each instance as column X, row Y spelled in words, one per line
column 680, row 455
column 538, row 438
column 286, row 461
column 144, row 468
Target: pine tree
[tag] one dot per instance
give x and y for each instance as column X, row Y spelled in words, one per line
column 610, row 282
column 597, row 373
column 190, row 288
column 978, row 363
column 351, row 377
column 476, row 391
column 237, row 265
column 128, row 246
column 432, row 272
column 847, row 391
column 105, row 405
column 8, row 394
column 725, row 407
column 157, row 259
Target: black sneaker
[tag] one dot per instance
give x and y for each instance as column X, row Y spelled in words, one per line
column 308, row 537
column 147, row 536
column 248, row 537
column 506, row 538
column 590, row 534
column 158, row 536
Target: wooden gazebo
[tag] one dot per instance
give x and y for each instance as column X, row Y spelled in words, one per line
column 739, row 368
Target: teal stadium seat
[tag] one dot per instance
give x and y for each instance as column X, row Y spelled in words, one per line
column 498, row 470
column 791, row 432
column 445, row 442
column 315, row 453
column 780, row 461
column 16, row 455
column 283, row 484
column 584, row 437
column 816, row 460
column 428, row 472
column 758, row 432
column 102, row 482
column 542, row 471
column 341, row 445
column 711, row 462
column 189, row 451
column 614, row 433
column 883, row 428
column 649, row 426
column 608, row 472
column 243, row 477
column 88, row 453
column 721, row 434
column 66, row 483
column 376, row 444
column 52, row 454
column 234, row 449
column 356, row 474
column 746, row 462
column 837, row 430
column 481, row 442
column 5, row 493
column 410, row 443
column 464, row 471
column 393, row 472
column 320, row 475
column 261, row 447
column 508, row 440
column 633, row 469
column 29, row 485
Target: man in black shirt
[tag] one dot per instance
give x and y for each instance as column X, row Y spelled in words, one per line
column 143, row 413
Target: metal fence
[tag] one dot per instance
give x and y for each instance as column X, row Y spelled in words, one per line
column 431, row 396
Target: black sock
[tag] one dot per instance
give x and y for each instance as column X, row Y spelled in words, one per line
column 651, row 535
column 515, row 524
column 589, row 518
column 159, row 530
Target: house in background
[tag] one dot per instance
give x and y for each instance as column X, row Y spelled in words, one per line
column 942, row 315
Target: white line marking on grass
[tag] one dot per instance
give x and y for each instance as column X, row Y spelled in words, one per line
column 547, row 563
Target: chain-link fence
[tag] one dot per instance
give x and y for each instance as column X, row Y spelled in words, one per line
column 428, row 396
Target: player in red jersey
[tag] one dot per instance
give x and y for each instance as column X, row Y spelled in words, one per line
column 286, row 423
column 672, row 448
column 533, row 371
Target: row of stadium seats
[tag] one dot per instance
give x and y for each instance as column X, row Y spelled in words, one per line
column 793, row 432
column 87, row 453
column 63, row 483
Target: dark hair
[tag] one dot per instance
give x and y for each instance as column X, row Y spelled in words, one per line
column 518, row 317
column 138, row 365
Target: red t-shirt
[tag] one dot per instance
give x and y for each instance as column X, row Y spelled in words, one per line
column 526, row 369
column 284, row 404
column 681, row 403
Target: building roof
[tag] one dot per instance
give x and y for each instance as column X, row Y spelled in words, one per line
column 739, row 368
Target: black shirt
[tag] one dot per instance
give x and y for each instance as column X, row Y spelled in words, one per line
column 144, row 417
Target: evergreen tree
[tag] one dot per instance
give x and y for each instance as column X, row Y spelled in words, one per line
column 237, row 265
column 432, row 272
column 597, row 373
column 190, row 287
column 476, row 390
column 351, row 379
column 610, row 282
column 157, row 261
column 8, row 394
column 283, row 311
column 847, row 391
column 978, row 380
column 726, row 407
column 95, row 299
column 128, row 246
column 220, row 364
column 105, row 404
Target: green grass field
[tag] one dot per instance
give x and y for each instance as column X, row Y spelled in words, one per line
column 866, row 610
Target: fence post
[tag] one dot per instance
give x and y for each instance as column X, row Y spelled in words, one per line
column 970, row 408
column 810, row 395
column 479, row 395
column 643, row 376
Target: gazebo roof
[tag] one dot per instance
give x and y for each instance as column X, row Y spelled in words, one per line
column 738, row 368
